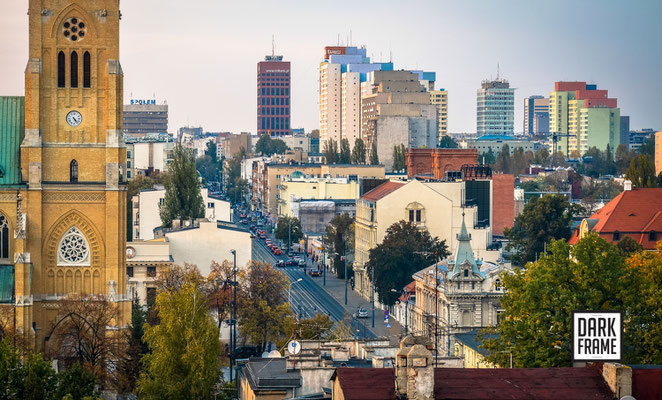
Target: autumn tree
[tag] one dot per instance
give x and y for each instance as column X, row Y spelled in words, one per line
column 262, row 304
column 345, row 156
column 339, row 236
column 182, row 200
column 318, row 327
column 184, row 362
column 541, row 157
column 406, row 249
column 642, row 172
column 543, row 219
column 358, row 152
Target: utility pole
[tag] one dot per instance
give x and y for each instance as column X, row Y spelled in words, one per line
column 372, row 296
column 345, row 251
column 436, row 309
column 323, row 264
column 289, row 235
column 233, row 322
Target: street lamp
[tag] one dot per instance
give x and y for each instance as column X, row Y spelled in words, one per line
column 289, row 293
column 233, row 315
column 406, row 303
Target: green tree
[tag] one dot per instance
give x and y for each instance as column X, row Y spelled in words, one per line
column 32, row 379
column 406, row 249
column 503, row 160
column 542, row 157
column 648, row 147
column 289, row 229
column 487, row 158
column 314, row 328
column 184, row 362
column 210, row 151
column 374, row 158
column 345, row 156
column 134, row 187
column 358, row 152
column 207, row 168
column 622, row 158
column 267, row 146
column 642, row 172
column 628, row 246
column 399, row 158
column 76, row 383
column 330, row 151
column 543, row 219
column 447, row 142
column 535, row 326
column 182, row 198
column 339, row 236
column 262, row 304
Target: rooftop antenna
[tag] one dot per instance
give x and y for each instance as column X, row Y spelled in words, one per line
column 497, row 72
column 350, row 37
column 390, row 53
column 273, row 46
column 338, row 38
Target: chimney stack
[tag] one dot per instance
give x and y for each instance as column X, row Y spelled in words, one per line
column 414, row 373
column 627, row 185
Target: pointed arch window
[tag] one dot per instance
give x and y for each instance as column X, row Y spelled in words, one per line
column 73, row 171
column 60, row 69
column 74, row 69
column 4, row 238
column 87, row 77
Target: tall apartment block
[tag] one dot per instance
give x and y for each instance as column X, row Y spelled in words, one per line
column 536, row 115
column 341, row 73
column 273, row 96
column 144, row 116
column 440, row 99
column 495, row 108
column 581, row 117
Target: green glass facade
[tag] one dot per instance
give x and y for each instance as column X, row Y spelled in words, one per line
column 12, row 131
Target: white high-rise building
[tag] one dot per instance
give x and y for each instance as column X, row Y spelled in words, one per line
column 495, row 108
column 329, row 102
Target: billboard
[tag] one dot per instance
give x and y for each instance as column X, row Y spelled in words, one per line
column 333, row 51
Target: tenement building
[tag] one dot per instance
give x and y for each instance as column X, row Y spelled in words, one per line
column 62, row 189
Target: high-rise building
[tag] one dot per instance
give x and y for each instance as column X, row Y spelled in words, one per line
column 581, row 117
column 145, row 116
column 273, row 96
column 396, row 110
column 495, row 108
column 440, row 99
column 63, row 203
column 341, row 73
column 536, row 115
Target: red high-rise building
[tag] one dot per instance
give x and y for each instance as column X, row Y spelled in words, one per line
column 273, row 96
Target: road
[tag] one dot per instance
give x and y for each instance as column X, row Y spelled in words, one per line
column 307, row 298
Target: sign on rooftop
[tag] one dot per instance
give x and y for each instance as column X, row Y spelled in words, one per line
column 597, row 335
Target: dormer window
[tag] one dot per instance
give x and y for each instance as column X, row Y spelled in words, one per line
column 466, row 273
column 497, row 285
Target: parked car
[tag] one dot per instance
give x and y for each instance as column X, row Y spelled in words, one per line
column 291, row 262
column 363, row 313
column 281, row 263
column 315, row 272
column 277, row 251
column 262, row 236
column 301, row 262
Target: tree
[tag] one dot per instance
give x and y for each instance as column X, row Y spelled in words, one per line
column 374, row 158
column 183, row 200
column 487, row 158
column 358, row 152
column 207, row 168
column 542, row 220
column 32, row 379
column 314, row 328
column 503, row 160
column 289, row 230
column 76, row 383
column 262, row 308
column 648, row 148
column 399, row 158
column 267, row 146
column 339, row 236
column 535, row 325
column 184, row 362
column 210, row 151
column 447, row 142
column 331, row 151
column 628, row 246
column 642, row 172
column 542, row 157
column 622, row 158
column 406, row 249
column 345, row 156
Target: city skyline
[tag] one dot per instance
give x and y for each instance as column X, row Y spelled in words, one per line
column 203, row 62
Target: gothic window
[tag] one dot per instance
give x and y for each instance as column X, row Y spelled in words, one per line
column 4, row 238
column 73, row 171
column 86, row 70
column 74, row 69
column 60, row 69
column 74, row 29
column 73, row 249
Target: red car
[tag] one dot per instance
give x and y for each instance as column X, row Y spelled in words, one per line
column 277, row 251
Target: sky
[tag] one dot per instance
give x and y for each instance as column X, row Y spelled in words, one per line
column 201, row 55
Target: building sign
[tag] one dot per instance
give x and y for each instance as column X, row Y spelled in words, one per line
column 143, row 101
column 277, row 70
column 333, row 51
column 597, row 335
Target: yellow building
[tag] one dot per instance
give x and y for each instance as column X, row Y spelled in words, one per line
column 440, row 99
column 467, row 347
column 297, row 189
column 63, row 212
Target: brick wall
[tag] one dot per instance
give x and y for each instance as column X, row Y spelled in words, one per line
column 436, row 162
column 503, row 202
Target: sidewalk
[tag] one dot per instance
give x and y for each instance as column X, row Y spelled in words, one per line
column 336, row 288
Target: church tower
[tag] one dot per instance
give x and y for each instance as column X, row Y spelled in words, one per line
column 68, row 218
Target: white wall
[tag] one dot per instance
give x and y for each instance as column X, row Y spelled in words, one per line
column 201, row 246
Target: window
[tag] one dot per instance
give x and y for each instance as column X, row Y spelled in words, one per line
column 73, row 171
column 652, row 236
column 4, row 238
column 60, row 69
column 73, row 249
column 74, row 69
column 129, row 272
column 458, row 285
column 616, row 236
column 411, row 215
column 418, row 215
column 151, row 296
column 87, row 76
column 497, row 285
column 151, row 272
column 466, row 273
column 210, row 205
column 473, row 285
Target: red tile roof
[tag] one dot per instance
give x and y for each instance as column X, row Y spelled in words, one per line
column 520, row 383
column 366, row 383
column 382, row 190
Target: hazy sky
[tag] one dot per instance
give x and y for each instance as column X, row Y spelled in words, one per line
column 201, row 55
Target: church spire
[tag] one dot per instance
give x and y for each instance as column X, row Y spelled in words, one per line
column 464, row 255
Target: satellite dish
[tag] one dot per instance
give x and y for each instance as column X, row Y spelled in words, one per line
column 187, row 223
column 265, row 354
column 274, row 354
column 294, row 347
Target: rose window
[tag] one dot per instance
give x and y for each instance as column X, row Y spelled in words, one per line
column 73, row 248
column 74, row 29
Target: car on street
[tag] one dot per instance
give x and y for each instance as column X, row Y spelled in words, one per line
column 301, row 262
column 315, row 272
column 277, row 251
column 262, row 236
column 363, row 313
column 280, row 263
column 291, row 262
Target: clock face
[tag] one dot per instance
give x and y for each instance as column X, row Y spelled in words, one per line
column 74, row 118
column 130, row 252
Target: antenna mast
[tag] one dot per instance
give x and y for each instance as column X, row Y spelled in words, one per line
column 273, row 46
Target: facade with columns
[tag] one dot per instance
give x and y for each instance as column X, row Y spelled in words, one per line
column 63, row 185
column 466, row 296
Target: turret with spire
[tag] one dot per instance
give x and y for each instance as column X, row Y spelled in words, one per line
column 464, row 256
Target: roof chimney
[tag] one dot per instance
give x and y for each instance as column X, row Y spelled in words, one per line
column 414, row 373
column 627, row 185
